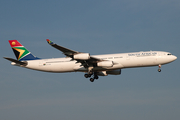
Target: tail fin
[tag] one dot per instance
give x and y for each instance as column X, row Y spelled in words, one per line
column 20, row 51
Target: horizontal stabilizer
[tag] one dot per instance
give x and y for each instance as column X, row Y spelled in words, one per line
column 16, row 61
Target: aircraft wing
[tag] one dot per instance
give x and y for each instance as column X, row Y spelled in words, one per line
column 72, row 54
column 65, row 51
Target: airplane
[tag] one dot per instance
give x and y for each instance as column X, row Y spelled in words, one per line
column 93, row 65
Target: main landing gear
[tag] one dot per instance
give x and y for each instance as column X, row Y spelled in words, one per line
column 159, row 70
column 90, row 74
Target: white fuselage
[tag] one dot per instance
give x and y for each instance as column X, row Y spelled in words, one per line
column 122, row 60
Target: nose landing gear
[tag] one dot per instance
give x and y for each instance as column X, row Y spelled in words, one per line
column 159, row 70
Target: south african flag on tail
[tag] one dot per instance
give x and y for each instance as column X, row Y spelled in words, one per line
column 21, row 53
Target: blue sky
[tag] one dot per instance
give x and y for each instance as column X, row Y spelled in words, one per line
column 97, row 27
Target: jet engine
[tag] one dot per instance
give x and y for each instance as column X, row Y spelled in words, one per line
column 82, row 56
column 102, row 73
column 105, row 64
column 112, row 72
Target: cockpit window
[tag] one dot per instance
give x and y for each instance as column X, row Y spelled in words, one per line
column 169, row 54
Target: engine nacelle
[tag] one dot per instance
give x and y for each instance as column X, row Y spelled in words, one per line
column 105, row 64
column 114, row 72
column 82, row 56
column 102, row 73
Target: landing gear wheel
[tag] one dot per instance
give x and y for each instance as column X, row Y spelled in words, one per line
column 92, row 79
column 86, row 75
column 96, row 77
column 159, row 70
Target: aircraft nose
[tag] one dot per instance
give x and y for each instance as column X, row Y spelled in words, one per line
column 174, row 57
column 171, row 58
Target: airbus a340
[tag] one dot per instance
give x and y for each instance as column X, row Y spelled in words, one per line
column 93, row 65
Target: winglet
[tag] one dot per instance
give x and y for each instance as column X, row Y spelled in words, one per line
column 50, row 42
